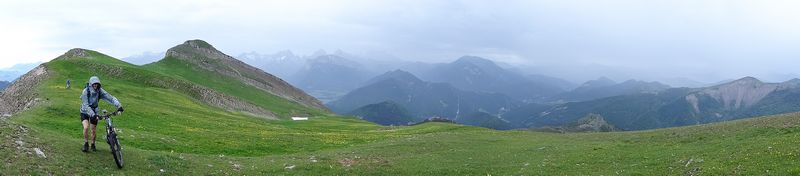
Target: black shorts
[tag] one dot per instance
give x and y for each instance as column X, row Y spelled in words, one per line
column 92, row 120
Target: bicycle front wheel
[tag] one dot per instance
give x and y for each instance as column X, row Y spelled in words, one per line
column 116, row 150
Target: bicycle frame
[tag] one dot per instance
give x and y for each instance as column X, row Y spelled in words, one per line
column 109, row 124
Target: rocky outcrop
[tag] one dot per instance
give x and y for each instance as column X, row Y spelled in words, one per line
column 590, row 123
column 205, row 56
column 74, row 53
column 22, row 94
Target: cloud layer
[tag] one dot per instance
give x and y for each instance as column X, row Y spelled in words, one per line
column 705, row 40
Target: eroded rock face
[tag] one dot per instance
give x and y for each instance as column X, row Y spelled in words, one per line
column 205, row 56
column 590, row 123
column 22, row 94
column 215, row 98
column 742, row 93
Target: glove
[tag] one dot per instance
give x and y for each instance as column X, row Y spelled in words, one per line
column 119, row 111
column 97, row 117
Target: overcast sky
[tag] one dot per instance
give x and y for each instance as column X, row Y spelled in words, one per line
column 704, row 40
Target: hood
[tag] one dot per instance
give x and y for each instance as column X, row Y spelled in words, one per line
column 94, row 79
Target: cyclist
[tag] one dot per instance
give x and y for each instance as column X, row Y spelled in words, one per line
column 89, row 101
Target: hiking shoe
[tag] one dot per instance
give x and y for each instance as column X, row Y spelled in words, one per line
column 94, row 149
column 85, row 147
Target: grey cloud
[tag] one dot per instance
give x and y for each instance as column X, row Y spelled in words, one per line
column 706, row 40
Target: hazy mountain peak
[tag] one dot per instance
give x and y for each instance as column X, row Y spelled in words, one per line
column 340, row 52
column 604, row 79
column 478, row 67
column 335, row 60
column 683, row 82
column 744, row 81
column 399, row 72
column 328, row 57
column 474, row 60
column 12, row 73
column 631, row 81
column 285, row 53
column 640, row 82
column 479, row 74
column 599, row 82
column 792, row 83
column 398, row 75
column 144, row 57
column 277, row 56
column 748, row 79
column 320, row 52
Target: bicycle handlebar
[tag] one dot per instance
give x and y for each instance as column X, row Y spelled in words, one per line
column 107, row 115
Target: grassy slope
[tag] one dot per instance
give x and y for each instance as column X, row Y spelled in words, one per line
column 164, row 129
column 233, row 87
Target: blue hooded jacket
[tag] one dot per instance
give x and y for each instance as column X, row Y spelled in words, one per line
column 89, row 104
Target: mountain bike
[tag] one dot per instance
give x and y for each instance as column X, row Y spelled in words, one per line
column 111, row 138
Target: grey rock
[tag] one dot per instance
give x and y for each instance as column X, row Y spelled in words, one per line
column 39, row 152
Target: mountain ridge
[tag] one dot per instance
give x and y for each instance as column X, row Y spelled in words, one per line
column 206, row 57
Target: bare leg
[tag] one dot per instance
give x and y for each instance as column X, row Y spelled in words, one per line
column 94, row 132
column 85, row 130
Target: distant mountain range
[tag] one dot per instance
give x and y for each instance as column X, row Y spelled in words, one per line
column 477, row 91
column 604, row 87
column 144, row 58
column 742, row 98
column 479, row 74
column 14, row 72
column 484, row 89
column 328, row 77
column 630, row 105
column 553, row 81
column 283, row 64
column 4, row 84
column 422, row 99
